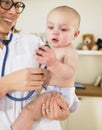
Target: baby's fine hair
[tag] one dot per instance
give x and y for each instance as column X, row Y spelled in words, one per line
column 68, row 9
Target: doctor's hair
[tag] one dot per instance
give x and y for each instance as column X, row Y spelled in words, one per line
column 13, row 29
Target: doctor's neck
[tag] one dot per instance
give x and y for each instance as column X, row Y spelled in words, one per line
column 3, row 36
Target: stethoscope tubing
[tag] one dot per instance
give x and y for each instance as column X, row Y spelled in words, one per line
column 3, row 73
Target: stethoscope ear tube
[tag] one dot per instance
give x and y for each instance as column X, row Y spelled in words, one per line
column 3, row 73
column 4, row 61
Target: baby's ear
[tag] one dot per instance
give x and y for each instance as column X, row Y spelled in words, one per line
column 76, row 34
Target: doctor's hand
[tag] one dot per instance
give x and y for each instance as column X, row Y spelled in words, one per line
column 51, row 105
column 23, row 80
column 56, row 107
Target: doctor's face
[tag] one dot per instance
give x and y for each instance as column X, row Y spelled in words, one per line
column 9, row 13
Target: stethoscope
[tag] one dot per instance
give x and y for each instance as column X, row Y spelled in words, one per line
column 6, row 42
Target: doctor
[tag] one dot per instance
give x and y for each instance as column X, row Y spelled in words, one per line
column 20, row 74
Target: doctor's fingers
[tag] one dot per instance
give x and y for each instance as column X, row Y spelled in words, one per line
column 61, row 101
column 54, row 108
column 33, row 71
column 46, row 105
column 53, row 111
column 57, row 113
column 48, row 109
column 36, row 77
column 34, row 74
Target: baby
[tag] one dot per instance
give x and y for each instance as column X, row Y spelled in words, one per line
column 61, row 59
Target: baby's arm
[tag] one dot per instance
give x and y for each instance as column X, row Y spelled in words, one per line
column 66, row 69
column 56, row 66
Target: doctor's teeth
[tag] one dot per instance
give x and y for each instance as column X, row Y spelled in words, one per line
column 8, row 20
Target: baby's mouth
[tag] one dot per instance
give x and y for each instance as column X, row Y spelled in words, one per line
column 55, row 40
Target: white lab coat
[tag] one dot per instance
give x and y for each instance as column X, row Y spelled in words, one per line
column 21, row 55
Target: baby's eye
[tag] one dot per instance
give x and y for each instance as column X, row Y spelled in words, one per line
column 50, row 27
column 63, row 29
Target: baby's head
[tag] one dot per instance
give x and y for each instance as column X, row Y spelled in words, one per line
column 65, row 21
column 66, row 14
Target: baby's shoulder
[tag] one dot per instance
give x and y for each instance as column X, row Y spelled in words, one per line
column 70, row 49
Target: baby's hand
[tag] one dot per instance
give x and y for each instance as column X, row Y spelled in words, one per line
column 45, row 56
